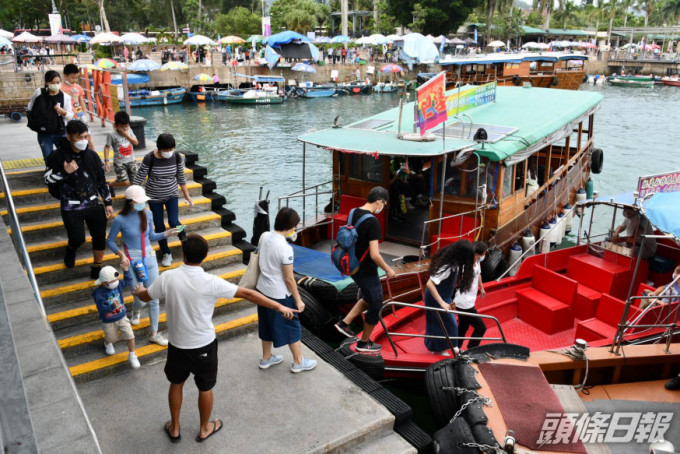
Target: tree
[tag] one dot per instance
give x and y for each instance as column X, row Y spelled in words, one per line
column 298, row 15
column 670, row 10
column 437, row 17
column 510, row 26
column 238, row 21
column 648, row 6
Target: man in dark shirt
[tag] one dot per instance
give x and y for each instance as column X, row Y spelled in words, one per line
column 75, row 175
column 370, row 288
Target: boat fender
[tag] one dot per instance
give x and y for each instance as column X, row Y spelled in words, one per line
column 455, row 438
column 597, row 161
column 516, row 80
column 555, row 81
column 561, row 229
column 545, row 241
column 465, row 375
column 553, row 236
column 483, row 435
column 514, row 258
column 579, row 197
column 15, row 116
column 493, row 265
column 590, row 188
column 585, row 79
column 528, row 242
column 443, row 402
column 474, row 412
column 568, row 218
column 372, row 365
column 315, row 317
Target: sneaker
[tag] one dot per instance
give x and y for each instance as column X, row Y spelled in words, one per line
column 108, row 348
column 158, row 339
column 442, row 353
column 135, row 318
column 167, row 260
column 306, row 364
column 132, row 359
column 673, row 384
column 94, row 271
column 272, row 361
column 344, row 329
column 70, row 258
column 368, row 346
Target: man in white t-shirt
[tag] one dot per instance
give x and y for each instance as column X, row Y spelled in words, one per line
column 465, row 302
column 190, row 295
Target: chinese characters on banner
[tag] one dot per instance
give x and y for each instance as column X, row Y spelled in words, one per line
column 457, row 102
column 431, row 103
column 668, row 182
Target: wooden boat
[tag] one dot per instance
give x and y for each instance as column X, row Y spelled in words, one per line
column 160, row 97
column 630, row 82
column 672, row 81
column 353, row 88
column 203, row 93
column 257, row 90
column 525, row 171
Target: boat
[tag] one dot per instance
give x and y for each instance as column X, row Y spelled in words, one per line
column 673, row 81
column 546, row 69
column 500, row 170
column 157, row 97
column 385, row 87
column 593, row 291
column 257, row 90
column 353, row 88
column 203, row 93
column 630, row 82
column 314, row 92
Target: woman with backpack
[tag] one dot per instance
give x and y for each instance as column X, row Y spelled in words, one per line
column 451, row 268
column 165, row 169
column 48, row 111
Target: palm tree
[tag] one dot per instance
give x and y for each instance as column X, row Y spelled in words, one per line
column 670, row 10
column 611, row 7
column 102, row 15
column 546, row 8
column 648, row 6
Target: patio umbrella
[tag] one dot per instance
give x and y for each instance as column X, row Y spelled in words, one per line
column 341, row 39
column 60, row 38
column 232, row 40
column 6, row 34
column 254, row 39
column 456, row 41
column 199, row 40
column 470, row 41
column 377, row 39
column 89, row 66
column 81, row 38
column 133, row 38
column 143, row 64
column 529, row 45
column 496, row 44
column 5, row 42
column 395, row 38
column 203, row 77
column 108, row 38
column 26, row 37
column 322, row 40
column 173, row 66
column 104, row 63
column 303, row 67
column 362, row 40
column 587, row 45
column 542, row 46
column 392, row 68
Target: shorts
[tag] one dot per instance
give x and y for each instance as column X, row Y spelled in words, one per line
column 111, row 330
column 202, row 362
column 370, row 290
column 272, row 327
column 125, row 171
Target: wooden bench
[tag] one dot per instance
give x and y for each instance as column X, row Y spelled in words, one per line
column 546, row 305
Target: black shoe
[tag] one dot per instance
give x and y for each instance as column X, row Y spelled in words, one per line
column 673, row 384
column 70, row 257
column 344, row 329
column 368, row 346
column 94, row 272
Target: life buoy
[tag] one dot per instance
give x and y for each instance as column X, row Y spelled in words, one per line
column 516, row 80
column 555, row 81
column 596, row 161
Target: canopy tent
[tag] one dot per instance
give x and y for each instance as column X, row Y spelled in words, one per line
column 132, row 79
column 286, row 37
column 496, row 44
column 133, row 38
column 144, row 65
column 199, row 40
column 662, row 211
column 419, row 48
column 302, row 50
column 5, row 42
column 82, row 38
column 232, row 40
column 341, row 39
column 60, row 38
column 105, row 38
column 26, row 37
column 6, row 34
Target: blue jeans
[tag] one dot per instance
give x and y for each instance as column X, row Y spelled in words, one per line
column 47, row 143
column 172, row 207
column 152, row 275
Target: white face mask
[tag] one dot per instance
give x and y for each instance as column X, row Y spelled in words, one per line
column 80, row 144
column 481, row 259
column 54, row 87
column 292, row 236
column 112, row 285
column 167, row 154
column 378, row 211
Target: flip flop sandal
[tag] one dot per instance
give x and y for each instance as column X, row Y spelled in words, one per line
column 176, row 439
column 214, row 431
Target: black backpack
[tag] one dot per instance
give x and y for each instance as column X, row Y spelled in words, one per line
column 42, row 118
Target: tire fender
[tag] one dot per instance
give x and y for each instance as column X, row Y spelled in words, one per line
column 555, row 81
column 516, row 80
column 597, row 161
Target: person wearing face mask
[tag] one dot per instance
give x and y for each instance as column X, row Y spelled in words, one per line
column 48, row 110
column 277, row 282
column 635, row 226
column 367, row 246
column 108, row 297
column 464, row 301
column 71, row 87
column 134, row 224
column 74, row 174
column 165, row 170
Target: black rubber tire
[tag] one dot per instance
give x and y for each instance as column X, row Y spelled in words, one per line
column 585, row 79
column 494, row 265
column 516, row 80
column 15, row 116
column 443, row 404
column 555, row 81
column 327, row 294
column 315, row 317
column 597, row 161
column 371, row 365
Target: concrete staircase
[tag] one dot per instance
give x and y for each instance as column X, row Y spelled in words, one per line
column 67, row 292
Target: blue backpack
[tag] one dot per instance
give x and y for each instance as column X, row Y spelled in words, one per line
column 344, row 255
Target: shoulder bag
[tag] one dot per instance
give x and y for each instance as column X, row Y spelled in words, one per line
column 252, row 274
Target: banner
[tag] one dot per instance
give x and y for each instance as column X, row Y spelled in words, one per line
column 460, row 101
column 475, row 35
column 431, row 103
column 55, row 23
column 266, row 26
column 271, row 57
column 666, row 182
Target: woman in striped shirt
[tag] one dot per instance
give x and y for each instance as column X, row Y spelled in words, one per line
column 165, row 169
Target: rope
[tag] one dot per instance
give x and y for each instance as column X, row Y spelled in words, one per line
column 576, row 353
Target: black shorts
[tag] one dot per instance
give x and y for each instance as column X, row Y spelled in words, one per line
column 202, row 362
column 370, row 290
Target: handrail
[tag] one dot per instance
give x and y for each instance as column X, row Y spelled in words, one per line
column 310, row 191
column 446, row 334
column 443, row 218
column 21, row 244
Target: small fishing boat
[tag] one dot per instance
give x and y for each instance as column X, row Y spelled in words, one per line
column 158, row 97
column 203, row 93
column 353, row 88
column 631, row 82
column 316, row 92
column 257, row 90
column 385, row 87
column 673, row 81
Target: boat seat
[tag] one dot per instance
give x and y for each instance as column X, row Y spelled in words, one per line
column 606, row 320
column 594, row 330
column 546, row 305
column 585, row 302
column 601, row 275
column 451, row 231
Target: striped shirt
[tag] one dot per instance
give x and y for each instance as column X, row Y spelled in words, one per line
column 165, row 175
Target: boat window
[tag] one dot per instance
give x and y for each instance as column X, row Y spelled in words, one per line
column 461, row 180
column 354, row 170
column 507, row 180
column 519, row 175
column 371, row 169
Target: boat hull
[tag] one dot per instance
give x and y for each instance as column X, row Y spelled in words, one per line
column 164, row 97
column 672, row 83
column 252, row 101
column 629, row 83
column 319, row 93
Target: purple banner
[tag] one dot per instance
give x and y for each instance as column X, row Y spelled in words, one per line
column 666, row 182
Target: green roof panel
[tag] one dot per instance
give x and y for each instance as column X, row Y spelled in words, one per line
column 562, row 32
column 532, row 31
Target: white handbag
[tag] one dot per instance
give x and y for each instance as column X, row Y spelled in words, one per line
column 252, row 274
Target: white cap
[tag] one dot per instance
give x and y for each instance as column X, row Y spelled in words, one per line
column 136, row 194
column 107, row 274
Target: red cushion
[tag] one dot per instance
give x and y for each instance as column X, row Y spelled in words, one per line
column 543, row 311
column 553, row 284
column 594, row 329
column 585, row 302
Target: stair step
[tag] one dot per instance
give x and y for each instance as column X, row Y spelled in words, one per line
column 73, row 311
column 37, row 231
column 389, row 443
column 95, row 365
column 71, row 287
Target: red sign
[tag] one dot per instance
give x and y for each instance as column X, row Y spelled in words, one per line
column 431, row 103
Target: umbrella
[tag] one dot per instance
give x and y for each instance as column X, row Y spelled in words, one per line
column 362, row 40
column 322, row 40
column 102, row 38
column 133, row 38
column 587, row 45
column 5, row 41
column 529, row 45
column 456, row 41
column 60, row 38
column 26, row 37
column 82, row 38
column 143, row 64
column 392, row 68
column 341, row 39
column 254, row 39
column 203, row 77
column 90, row 66
column 496, row 44
column 231, row 40
column 394, row 38
column 377, row 39
column 303, row 67
column 104, row 63
column 470, row 41
column 6, row 34
column 199, row 40
column 174, row 65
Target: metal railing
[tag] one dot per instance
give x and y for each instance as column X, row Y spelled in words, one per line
column 22, row 251
column 304, row 193
column 462, row 234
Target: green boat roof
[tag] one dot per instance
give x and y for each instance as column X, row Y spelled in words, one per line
column 532, row 31
column 565, row 32
column 532, row 117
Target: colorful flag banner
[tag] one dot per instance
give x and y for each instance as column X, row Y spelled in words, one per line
column 431, row 103
column 460, row 101
column 271, row 56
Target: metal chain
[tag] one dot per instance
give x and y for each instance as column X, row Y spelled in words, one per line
column 478, row 398
column 457, row 390
column 495, row 448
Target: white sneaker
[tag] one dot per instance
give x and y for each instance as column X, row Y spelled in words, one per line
column 132, row 359
column 108, row 348
column 135, row 318
column 167, row 260
column 158, row 339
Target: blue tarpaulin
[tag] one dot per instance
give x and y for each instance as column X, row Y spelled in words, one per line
column 309, row 262
column 285, row 38
column 132, row 79
column 662, row 211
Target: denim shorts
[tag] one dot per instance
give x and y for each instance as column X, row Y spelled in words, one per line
column 370, row 290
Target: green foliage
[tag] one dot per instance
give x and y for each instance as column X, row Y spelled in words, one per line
column 238, row 21
column 510, row 26
column 298, row 15
column 102, row 52
column 534, row 19
column 437, row 17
